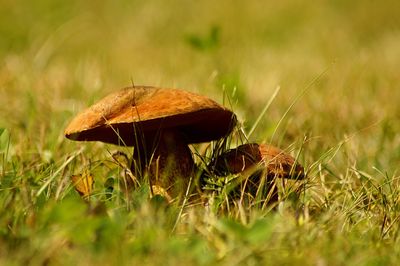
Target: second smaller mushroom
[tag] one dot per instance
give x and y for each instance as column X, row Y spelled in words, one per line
column 261, row 164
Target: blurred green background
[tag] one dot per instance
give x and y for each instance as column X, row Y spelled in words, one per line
column 58, row 57
column 80, row 50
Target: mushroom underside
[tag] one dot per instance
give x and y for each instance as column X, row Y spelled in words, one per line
column 194, row 127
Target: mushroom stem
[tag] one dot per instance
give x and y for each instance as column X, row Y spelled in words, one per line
column 166, row 160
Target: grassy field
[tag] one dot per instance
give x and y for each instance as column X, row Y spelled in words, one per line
column 333, row 64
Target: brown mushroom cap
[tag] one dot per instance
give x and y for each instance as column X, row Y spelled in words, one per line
column 277, row 162
column 117, row 117
column 259, row 165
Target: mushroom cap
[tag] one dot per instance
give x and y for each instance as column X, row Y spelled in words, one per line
column 147, row 110
column 252, row 155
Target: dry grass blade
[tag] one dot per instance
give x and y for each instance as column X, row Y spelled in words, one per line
column 266, row 107
column 54, row 175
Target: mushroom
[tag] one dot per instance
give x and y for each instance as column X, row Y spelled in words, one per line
column 159, row 123
column 255, row 161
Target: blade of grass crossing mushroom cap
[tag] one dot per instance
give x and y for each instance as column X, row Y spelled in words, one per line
column 135, row 128
column 133, row 125
column 138, row 133
column 116, row 133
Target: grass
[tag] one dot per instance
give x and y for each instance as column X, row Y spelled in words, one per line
column 336, row 64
